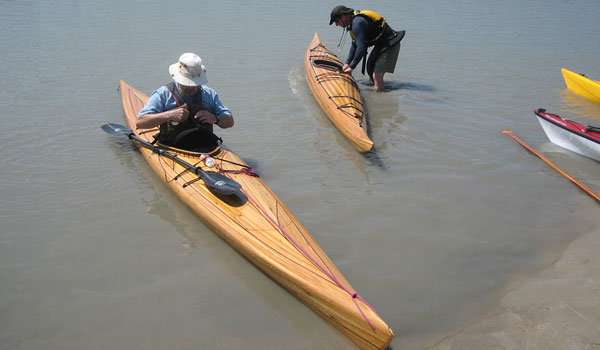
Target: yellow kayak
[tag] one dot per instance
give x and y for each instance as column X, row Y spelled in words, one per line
column 261, row 228
column 337, row 94
column 582, row 85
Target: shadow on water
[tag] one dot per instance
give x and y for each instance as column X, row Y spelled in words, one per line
column 408, row 86
column 398, row 85
column 373, row 158
column 121, row 145
column 381, row 109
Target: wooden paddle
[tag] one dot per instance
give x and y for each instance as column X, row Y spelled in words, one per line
column 586, row 189
column 215, row 181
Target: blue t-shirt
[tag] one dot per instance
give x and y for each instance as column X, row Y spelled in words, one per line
column 162, row 100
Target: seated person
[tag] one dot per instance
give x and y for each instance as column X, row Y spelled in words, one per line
column 184, row 109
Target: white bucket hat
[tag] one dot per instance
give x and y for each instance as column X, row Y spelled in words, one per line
column 189, row 71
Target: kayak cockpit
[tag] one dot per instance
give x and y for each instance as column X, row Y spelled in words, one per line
column 327, row 64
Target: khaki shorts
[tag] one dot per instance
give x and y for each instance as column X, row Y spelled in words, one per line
column 386, row 62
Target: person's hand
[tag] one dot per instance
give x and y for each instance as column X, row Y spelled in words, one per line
column 179, row 115
column 346, row 68
column 205, row 117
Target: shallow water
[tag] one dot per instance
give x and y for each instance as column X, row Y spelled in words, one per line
column 96, row 253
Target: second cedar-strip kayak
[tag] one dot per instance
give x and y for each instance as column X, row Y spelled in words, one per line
column 261, row 228
column 337, row 94
column 571, row 135
column 582, row 85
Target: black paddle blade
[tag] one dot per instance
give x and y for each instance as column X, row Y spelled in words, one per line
column 116, row 129
column 220, row 183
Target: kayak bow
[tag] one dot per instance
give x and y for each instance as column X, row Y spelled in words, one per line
column 576, row 137
column 582, row 85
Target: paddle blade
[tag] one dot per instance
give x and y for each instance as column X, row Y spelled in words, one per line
column 116, row 129
column 220, row 183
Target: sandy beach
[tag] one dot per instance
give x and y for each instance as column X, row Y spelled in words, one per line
column 557, row 308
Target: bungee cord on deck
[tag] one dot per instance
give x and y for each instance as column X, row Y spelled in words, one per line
column 330, row 62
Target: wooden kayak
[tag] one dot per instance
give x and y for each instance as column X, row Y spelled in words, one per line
column 263, row 230
column 582, row 85
column 575, row 137
column 337, row 94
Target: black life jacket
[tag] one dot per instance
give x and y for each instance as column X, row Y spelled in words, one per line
column 190, row 134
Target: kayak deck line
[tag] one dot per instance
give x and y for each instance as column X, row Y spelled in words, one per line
column 343, row 107
column 317, row 264
column 329, row 76
column 327, row 61
column 347, row 105
column 337, row 94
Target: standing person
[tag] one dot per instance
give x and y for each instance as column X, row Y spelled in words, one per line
column 368, row 28
column 184, row 109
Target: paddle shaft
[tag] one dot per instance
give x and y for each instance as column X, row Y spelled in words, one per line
column 215, row 181
column 586, row 189
column 196, row 170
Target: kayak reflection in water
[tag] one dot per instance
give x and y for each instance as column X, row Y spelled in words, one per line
column 368, row 28
column 184, row 109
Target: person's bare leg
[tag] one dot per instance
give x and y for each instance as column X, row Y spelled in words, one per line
column 378, row 80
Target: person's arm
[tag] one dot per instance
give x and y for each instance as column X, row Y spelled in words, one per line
column 159, row 109
column 206, row 117
column 226, row 121
column 346, row 67
column 351, row 53
column 216, row 112
column 147, row 121
column 359, row 28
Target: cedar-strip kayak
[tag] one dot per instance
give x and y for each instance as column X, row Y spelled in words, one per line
column 582, row 85
column 262, row 229
column 337, row 94
column 575, row 137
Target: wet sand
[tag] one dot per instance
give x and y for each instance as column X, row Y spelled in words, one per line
column 557, row 308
